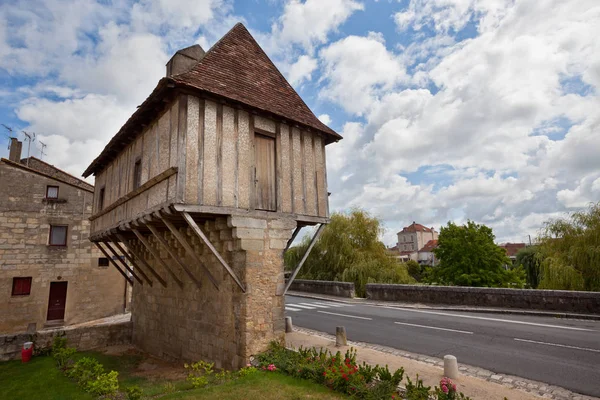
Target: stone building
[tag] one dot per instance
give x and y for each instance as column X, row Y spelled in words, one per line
column 412, row 238
column 206, row 185
column 49, row 272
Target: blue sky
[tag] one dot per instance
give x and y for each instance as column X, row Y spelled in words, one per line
column 450, row 109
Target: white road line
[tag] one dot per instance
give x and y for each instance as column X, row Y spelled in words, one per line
column 558, row 345
column 301, row 306
column 314, row 305
column 335, row 304
column 345, row 315
column 328, row 304
column 434, row 327
column 291, row 309
column 490, row 319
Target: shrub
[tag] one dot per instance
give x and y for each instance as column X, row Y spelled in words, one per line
column 133, row 393
column 199, row 373
column 86, row 369
column 447, row 391
column 416, row 391
column 63, row 357
column 247, row 371
column 106, row 384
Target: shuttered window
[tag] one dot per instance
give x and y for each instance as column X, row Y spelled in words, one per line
column 21, row 286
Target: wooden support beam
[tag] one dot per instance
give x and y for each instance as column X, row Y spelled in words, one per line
column 113, row 238
column 115, row 264
column 202, row 236
column 289, row 243
column 189, row 249
column 144, row 263
column 301, row 263
column 132, row 272
column 156, row 255
column 173, row 255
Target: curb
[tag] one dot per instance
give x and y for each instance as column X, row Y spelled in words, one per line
column 537, row 313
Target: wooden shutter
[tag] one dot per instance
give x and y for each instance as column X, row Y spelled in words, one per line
column 265, row 179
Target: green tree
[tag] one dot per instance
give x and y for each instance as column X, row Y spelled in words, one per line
column 570, row 251
column 529, row 259
column 469, row 257
column 349, row 250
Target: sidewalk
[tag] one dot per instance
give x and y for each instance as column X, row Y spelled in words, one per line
column 477, row 383
column 490, row 310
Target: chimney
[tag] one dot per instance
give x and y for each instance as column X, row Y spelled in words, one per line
column 15, row 150
column 184, row 60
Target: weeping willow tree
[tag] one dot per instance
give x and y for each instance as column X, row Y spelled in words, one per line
column 569, row 252
column 349, row 250
column 530, row 260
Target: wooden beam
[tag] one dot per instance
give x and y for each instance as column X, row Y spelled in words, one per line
column 115, row 265
column 301, row 263
column 173, row 255
column 114, row 240
column 156, row 255
column 289, row 243
column 139, row 257
column 189, row 249
column 132, row 272
column 202, row 236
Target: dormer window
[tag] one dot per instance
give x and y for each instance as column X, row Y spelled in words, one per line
column 51, row 192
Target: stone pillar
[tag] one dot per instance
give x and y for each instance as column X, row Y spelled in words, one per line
column 262, row 318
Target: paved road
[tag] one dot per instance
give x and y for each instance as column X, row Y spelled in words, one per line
column 561, row 352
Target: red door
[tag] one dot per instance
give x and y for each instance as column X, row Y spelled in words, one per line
column 57, row 300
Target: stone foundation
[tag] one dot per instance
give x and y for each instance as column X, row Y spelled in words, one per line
column 224, row 326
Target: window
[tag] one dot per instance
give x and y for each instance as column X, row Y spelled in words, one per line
column 137, row 174
column 103, row 262
column 21, row 286
column 51, row 192
column 101, row 199
column 58, row 235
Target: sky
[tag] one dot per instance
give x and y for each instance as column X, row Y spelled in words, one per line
column 450, row 110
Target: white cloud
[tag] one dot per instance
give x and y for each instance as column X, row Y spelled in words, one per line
column 301, row 70
column 325, row 118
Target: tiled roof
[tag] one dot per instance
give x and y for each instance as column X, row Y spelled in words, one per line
column 237, row 68
column 429, row 246
column 414, row 227
column 512, row 248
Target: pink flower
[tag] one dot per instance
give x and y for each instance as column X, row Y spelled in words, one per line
column 454, row 387
column 445, row 389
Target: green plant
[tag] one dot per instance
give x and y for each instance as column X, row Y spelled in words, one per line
column 63, row 357
column 247, row 371
column 169, row 387
column 447, row 391
column 106, row 384
column 199, row 373
column 84, row 370
column 133, row 393
column 59, row 342
column 416, row 391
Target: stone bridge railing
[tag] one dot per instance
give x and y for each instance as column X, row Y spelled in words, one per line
column 341, row 289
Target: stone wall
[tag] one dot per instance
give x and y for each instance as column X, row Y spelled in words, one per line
column 82, row 338
column 341, row 289
column 25, row 217
column 550, row 300
column 225, row 326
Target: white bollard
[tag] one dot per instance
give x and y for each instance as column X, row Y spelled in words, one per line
column 288, row 325
column 450, row 367
column 340, row 337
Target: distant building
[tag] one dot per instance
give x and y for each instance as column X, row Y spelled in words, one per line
column 413, row 237
column 512, row 249
column 425, row 255
column 49, row 272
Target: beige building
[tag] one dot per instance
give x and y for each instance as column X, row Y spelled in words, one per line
column 412, row 238
column 206, row 184
column 49, row 272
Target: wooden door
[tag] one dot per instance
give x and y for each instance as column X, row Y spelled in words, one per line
column 265, row 179
column 57, row 300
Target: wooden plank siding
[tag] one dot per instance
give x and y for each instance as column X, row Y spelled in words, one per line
column 218, row 152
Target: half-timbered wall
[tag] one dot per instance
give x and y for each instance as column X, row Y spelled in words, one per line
column 202, row 152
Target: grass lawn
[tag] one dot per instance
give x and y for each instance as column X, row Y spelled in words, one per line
column 40, row 379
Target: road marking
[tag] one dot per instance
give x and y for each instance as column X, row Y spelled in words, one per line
column 301, row 306
column 558, row 345
column 314, row 305
column 490, row 319
column 345, row 315
column 329, row 304
column 291, row 309
column 434, row 327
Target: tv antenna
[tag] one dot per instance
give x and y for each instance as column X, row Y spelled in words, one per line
column 30, row 137
column 10, row 135
column 44, row 145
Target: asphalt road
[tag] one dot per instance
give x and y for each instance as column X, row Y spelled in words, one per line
column 560, row 352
